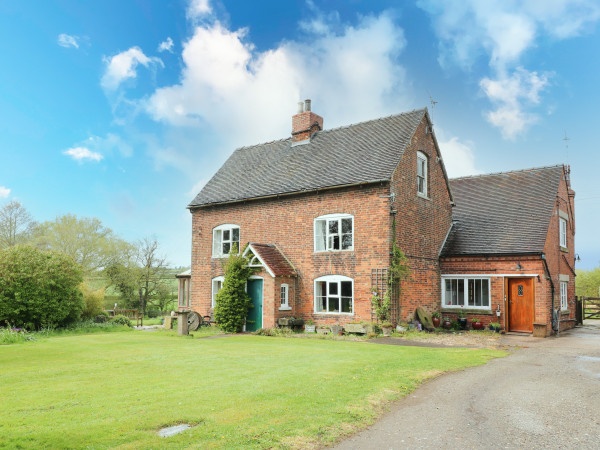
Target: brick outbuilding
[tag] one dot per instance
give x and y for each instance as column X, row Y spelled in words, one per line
column 319, row 209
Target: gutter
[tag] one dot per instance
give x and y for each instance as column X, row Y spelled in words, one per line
column 554, row 322
column 285, row 194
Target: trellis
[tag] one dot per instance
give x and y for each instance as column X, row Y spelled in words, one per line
column 379, row 282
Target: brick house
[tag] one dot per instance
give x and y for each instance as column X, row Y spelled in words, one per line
column 510, row 254
column 318, row 211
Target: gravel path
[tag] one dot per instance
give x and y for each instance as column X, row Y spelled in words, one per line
column 546, row 395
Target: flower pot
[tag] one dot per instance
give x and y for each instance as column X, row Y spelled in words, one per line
column 309, row 328
column 387, row 331
column 477, row 325
column 436, row 321
column 447, row 324
column 463, row 323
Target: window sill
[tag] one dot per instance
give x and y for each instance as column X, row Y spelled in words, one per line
column 467, row 311
column 423, row 196
column 333, row 314
column 322, row 252
column 564, row 249
column 565, row 311
column 285, row 308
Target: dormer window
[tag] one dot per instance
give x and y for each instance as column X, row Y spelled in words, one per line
column 421, row 174
column 334, row 232
column 224, row 238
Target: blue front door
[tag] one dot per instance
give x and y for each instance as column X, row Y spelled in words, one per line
column 254, row 318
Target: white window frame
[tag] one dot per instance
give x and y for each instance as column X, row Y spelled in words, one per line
column 330, row 279
column 330, row 218
column 422, row 158
column 284, row 297
column 564, row 289
column 466, row 291
column 563, row 232
column 215, row 289
column 218, row 231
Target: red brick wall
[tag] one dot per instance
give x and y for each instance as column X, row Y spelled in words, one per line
column 562, row 261
column 288, row 223
column 421, row 223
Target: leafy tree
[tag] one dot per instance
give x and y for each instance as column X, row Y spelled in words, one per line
column 587, row 282
column 232, row 301
column 93, row 301
column 143, row 278
column 39, row 288
column 86, row 240
column 16, row 224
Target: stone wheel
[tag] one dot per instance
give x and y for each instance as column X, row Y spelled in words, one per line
column 193, row 321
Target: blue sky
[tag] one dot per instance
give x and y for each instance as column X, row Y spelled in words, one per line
column 122, row 110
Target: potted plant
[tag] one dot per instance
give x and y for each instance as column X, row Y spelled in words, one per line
column 436, row 319
column 387, row 328
column 495, row 326
column 462, row 319
column 447, row 323
column 310, row 326
column 477, row 324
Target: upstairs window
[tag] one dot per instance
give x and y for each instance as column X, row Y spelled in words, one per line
column 224, row 237
column 334, row 232
column 563, row 232
column 334, row 294
column 422, row 174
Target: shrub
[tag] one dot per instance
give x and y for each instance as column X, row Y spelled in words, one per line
column 39, row 288
column 103, row 317
column 93, row 301
column 121, row 320
column 14, row 336
column 233, row 302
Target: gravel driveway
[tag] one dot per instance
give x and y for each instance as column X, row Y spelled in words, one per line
column 545, row 395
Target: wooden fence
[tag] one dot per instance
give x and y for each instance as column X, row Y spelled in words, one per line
column 591, row 307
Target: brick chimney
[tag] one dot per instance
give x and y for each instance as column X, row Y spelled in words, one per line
column 305, row 123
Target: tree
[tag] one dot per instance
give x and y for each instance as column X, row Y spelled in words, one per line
column 233, row 302
column 143, row 278
column 16, row 224
column 39, row 288
column 587, row 282
column 86, row 240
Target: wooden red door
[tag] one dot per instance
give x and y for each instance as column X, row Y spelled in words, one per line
column 520, row 304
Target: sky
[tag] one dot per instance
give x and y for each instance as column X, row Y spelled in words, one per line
column 123, row 110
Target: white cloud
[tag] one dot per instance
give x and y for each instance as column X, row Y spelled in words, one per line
column 82, row 153
column 123, row 66
column 4, row 192
column 351, row 74
column 66, row 40
column 458, row 158
column 510, row 94
column 503, row 31
column 198, row 8
column 166, row 45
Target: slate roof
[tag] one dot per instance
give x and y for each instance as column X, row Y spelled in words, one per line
column 274, row 259
column 354, row 154
column 502, row 213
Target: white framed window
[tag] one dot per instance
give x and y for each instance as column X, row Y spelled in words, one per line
column 563, row 232
column 217, row 284
column 564, row 304
column 334, row 294
column 334, row 232
column 284, row 299
column 422, row 174
column 466, row 292
column 224, row 237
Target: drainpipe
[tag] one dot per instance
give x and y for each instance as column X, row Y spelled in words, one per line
column 554, row 324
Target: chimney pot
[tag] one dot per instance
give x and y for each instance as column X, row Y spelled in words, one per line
column 300, row 107
column 307, row 104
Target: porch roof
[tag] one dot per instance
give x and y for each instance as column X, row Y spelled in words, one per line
column 273, row 259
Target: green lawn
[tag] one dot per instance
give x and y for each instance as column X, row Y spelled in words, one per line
column 119, row 389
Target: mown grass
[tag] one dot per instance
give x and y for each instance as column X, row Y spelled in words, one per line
column 119, row 389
